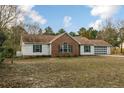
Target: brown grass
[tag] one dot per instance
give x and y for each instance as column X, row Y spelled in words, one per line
column 87, row 71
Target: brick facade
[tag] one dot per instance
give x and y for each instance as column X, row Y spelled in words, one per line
column 64, row 39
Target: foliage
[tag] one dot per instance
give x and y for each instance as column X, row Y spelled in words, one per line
column 2, row 55
column 117, row 51
column 60, row 31
column 72, row 33
column 40, row 31
column 32, row 28
column 2, row 38
column 5, row 53
column 109, row 34
column 49, row 31
column 82, row 32
column 90, row 33
column 8, row 14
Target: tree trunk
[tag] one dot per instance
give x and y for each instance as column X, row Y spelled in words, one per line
column 115, row 50
column 12, row 60
column 121, row 49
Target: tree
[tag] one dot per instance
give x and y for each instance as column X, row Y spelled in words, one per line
column 92, row 33
column 120, row 28
column 40, row 31
column 8, row 18
column 2, row 38
column 82, row 32
column 121, row 37
column 109, row 33
column 61, row 31
column 49, row 31
column 32, row 28
column 14, row 36
column 8, row 14
column 72, row 33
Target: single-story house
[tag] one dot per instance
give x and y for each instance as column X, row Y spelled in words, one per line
column 62, row 45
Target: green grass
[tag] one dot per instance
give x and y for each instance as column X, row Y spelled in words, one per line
column 86, row 71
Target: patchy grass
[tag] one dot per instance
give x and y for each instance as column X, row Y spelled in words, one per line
column 87, row 71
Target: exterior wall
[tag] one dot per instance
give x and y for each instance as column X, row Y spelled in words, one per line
column 64, row 39
column 108, row 50
column 27, row 50
column 86, row 53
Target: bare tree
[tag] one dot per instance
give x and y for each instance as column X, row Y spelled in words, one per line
column 8, row 14
column 109, row 33
column 8, row 18
column 33, row 28
column 120, row 28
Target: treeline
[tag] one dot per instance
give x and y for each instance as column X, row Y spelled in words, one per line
column 112, row 32
column 10, row 32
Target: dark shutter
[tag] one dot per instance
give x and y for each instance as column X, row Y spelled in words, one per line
column 40, row 48
column 33, row 48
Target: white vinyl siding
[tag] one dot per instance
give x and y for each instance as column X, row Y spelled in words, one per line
column 27, row 49
column 82, row 52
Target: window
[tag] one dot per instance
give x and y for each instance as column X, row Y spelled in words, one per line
column 65, row 48
column 37, row 48
column 86, row 48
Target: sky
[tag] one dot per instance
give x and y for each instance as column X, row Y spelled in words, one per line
column 70, row 17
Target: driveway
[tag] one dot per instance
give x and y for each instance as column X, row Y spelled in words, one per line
column 113, row 55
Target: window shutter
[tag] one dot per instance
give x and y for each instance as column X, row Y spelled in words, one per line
column 33, row 48
column 40, row 48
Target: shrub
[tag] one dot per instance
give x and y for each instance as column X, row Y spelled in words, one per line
column 2, row 55
column 9, row 52
column 5, row 53
column 116, row 51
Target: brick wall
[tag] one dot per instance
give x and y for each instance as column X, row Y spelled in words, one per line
column 64, row 39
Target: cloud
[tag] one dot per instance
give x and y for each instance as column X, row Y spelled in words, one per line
column 67, row 21
column 37, row 18
column 28, row 11
column 97, row 24
column 103, row 12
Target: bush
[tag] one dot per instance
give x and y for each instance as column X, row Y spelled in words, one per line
column 9, row 52
column 2, row 55
column 117, row 51
column 5, row 53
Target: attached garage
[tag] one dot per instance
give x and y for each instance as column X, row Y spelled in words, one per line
column 100, row 50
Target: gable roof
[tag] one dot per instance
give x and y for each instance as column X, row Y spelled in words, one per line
column 46, row 39
column 62, row 35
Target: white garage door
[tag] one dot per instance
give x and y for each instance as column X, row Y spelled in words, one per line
column 100, row 50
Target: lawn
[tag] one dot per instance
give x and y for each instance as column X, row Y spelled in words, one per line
column 86, row 71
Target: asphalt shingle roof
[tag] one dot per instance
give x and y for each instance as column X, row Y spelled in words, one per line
column 49, row 38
